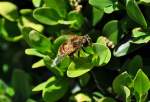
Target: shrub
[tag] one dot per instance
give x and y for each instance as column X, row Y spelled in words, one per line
column 93, row 50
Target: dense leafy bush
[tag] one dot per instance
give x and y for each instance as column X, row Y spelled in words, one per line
column 110, row 64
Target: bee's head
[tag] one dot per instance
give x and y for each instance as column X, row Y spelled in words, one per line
column 86, row 40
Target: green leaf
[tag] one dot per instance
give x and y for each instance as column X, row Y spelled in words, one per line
column 37, row 40
column 106, row 99
column 2, row 29
column 124, row 79
column 122, row 49
column 140, row 36
column 37, row 3
column 102, row 40
column 141, row 83
column 26, row 12
column 40, row 87
column 133, row 65
column 111, row 31
column 111, row 8
column 141, row 98
column 4, row 98
column 48, row 62
column 125, row 49
column 61, row 63
column 66, row 22
column 10, row 91
column 20, row 82
column 11, row 28
column 9, row 33
column 127, row 94
column 107, row 5
column 84, row 79
column 3, row 87
column 60, row 6
column 64, row 63
column 77, row 18
column 8, row 10
column 138, row 32
column 83, row 53
column 141, row 40
column 135, row 13
column 145, row 1
column 46, row 15
column 31, row 100
column 27, row 20
column 79, row 66
column 97, row 95
column 54, row 89
column 38, row 64
column 81, row 97
column 102, row 54
column 34, row 52
column 100, row 4
column 89, row 50
column 97, row 15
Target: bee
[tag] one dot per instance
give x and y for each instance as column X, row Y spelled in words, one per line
column 73, row 44
column 69, row 47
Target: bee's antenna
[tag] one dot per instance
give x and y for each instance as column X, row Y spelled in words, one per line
column 86, row 35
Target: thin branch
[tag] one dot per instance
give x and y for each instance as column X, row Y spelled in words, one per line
column 97, row 83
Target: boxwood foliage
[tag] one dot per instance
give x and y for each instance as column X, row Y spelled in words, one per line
column 110, row 69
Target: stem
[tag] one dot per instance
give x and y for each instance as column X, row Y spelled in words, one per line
column 96, row 82
column 14, row 39
column 140, row 98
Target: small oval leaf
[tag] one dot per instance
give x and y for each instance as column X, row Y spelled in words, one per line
column 33, row 52
column 59, row 5
column 135, row 13
column 106, row 99
column 97, row 15
column 124, row 79
column 54, row 89
column 77, row 18
column 46, row 15
column 39, row 87
column 36, row 40
column 125, row 49
column 79, row 67
column 102, row 54
column 38, row 64
column 127, row 94
column 108, row 6
column 9, row 11
column 111, row 31
column 141, row 83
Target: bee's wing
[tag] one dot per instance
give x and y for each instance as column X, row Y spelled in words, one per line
column 57, row 60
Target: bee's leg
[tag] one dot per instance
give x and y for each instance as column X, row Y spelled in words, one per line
column 83, row 49
column 78, row 53
column 71, row 55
